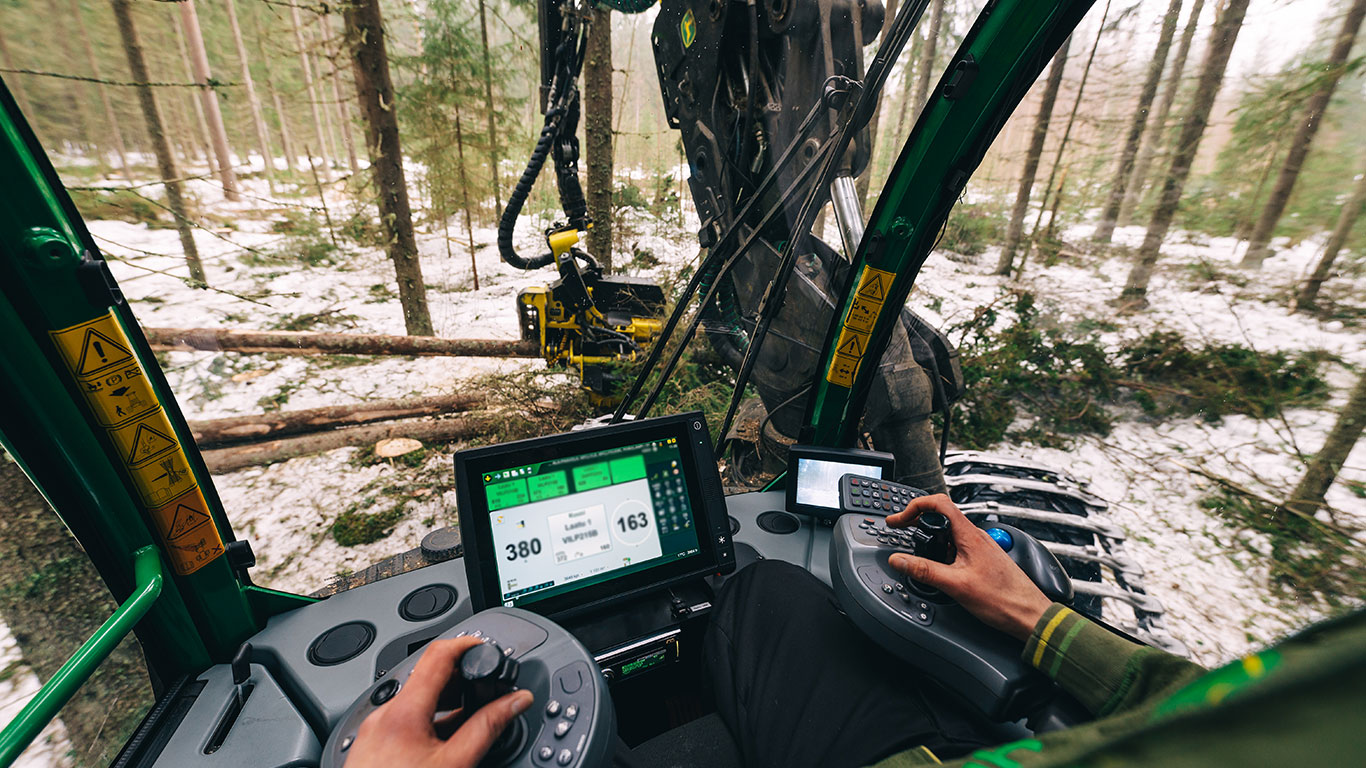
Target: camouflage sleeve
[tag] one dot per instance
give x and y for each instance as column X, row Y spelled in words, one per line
column 1107, row 673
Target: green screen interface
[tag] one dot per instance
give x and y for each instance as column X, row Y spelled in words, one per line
column 568, row 523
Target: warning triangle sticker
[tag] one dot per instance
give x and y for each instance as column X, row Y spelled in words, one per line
column 186, row 519
column 852, row 347
column 148, row 442
column 99, row 352
column 873, row 289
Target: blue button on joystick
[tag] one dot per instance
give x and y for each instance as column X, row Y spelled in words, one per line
column 1002, row 537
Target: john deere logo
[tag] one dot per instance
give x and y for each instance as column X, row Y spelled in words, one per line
column 687, row 29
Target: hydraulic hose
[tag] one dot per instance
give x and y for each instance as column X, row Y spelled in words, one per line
column 519, row 195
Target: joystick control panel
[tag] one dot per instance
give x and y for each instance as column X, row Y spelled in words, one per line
column 570, row 723
column 927, row 629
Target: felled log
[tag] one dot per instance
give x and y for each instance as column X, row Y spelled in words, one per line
column 253, row 454
column 308, row 343
column 244, row 429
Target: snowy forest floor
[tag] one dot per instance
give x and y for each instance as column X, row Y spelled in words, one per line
column 1212, row 574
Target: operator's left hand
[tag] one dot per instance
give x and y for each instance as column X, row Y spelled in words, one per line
column 402, row 732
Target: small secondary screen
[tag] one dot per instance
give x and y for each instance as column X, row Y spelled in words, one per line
column 567, row 523
column 818, row 480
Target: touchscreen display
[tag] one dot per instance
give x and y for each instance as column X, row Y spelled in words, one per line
column 567, row 523
column 818, row 480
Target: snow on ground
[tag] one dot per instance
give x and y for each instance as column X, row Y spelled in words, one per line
column 18, row 684
column 1217, row 595
column 1214, row 585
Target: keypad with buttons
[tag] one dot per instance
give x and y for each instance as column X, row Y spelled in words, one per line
column 872, row 495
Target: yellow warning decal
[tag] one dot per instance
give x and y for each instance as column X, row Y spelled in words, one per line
column 115, row 385
column 93, row 347
column 852, row 342
column 192, row 540
column 119, row 394
column 144, row 440
column 100, row 356
column 842, row 370
column 873, row 287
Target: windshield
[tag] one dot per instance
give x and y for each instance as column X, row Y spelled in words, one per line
column 316, row 258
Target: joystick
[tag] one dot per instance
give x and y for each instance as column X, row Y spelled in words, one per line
column 487, row 673
column 573, row 725
column 933, row 540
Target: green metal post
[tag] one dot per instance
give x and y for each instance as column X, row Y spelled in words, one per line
column 56, row 692
column 52, row 277
column 999, row 60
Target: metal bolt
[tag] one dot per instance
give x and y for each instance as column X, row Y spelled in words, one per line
column 49, row 249
column 901, row 227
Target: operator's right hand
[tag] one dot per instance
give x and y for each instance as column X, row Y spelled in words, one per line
column 402, row 731
column 982, row 578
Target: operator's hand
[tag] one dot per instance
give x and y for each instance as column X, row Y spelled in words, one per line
column 402, row 731
column 982, row 579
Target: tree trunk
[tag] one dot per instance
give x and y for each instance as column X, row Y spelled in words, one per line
column 1062, row 143
column 258, row 121
column 111, row 120
column 137, row 67
column 85, row 133
column 1222, row 38
column 908, row 79
column 205, row 144
column 333, row 147
column 1015, row 230
column 1105, row 229
column 375, row 90
column 218, row 135
column 866, row 178
column 495, row 160
column 1323, row 470
column 305, row 343
column 246, row 429
column 441, row 431
column 927, row 57
column 465, row 196
column 15, row 86
column 597, row 134
column 1258, row 248
column 311, row 90
column 286, row 140
column 343, row 116
column 1309, row 292
column 1152, row 137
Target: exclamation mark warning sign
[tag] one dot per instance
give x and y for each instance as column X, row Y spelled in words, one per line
column 114, row 383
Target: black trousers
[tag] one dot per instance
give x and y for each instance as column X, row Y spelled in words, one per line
column 797, row 684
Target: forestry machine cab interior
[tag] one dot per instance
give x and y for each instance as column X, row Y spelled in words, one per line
column 588, row 562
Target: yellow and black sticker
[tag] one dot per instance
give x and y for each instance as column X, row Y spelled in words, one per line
column 873, row 288
column 143, row 441
column 115, row 385
column 192, row 540
column 842, row 370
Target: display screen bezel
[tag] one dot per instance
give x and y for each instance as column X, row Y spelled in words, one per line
column 481, row 559
column 886, row 462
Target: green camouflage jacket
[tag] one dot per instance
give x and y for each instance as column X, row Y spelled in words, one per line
column 1299, row 703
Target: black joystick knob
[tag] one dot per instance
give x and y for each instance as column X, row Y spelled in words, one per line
column 933, row 538
column 486, row 673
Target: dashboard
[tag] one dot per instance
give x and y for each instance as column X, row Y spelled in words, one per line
column 620, row 537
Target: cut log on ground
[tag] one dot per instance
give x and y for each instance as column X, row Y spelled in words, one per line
column 241, row 456
column 255, row 428
column 304, row 343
